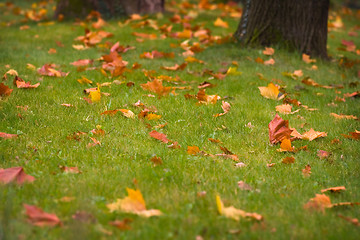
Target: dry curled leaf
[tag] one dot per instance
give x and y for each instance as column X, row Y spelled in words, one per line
column 5, row 90
column 333, row 189
column 20, row 83
column 278, row 130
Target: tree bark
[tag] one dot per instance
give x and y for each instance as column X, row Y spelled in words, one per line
column 107, row 8
column 298, row 24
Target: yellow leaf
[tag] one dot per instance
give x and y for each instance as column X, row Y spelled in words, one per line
column 95, row 96
column 234, row 213
column 133, row 203
column 233, row 71
column 220, row 23
column 84, row 80
column 152, row 116
column 271, row 92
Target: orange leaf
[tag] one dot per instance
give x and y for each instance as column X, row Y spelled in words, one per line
column 38, row 217
column 193, row 150
column 312, row 134
column 220, row 23
column 159, row 136
column 333, row 189
column 5, row 90
column 268, row 51
column 152, row 116
column 122, row 225
column 285, row 146
column 353, row 135
column 318, row 203
column 284, row 108
column 306, row 58
column 156, row 87
column 7, row 135
column 156, row 160
column 306, row 171
column 288, row 160
column 271, row 61
column 15, row 174
column 20, row 83
column 278, row 130
column 342, row 116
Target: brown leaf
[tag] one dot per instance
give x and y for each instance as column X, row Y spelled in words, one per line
column 38, row 217
column 15, row 174
column 159, row 136
column 123, row 224
column 5, row 90
column 342, row 116
column 278, row 130
column 288, row 160
column 318, row 203
column 354, row 221
column 156, row 160
column 353, row 135
column 333, row 189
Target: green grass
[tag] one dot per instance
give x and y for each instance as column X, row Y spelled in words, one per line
column 173, row 186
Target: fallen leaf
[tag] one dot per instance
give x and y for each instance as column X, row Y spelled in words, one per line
column 269, row 62
column 268, row 51
column 84, row 217
column 333, row 189
column 52, row 51
column 312, row 134
column 5, row 90
column 82, row 62
column 244, row 186
column 288, row 160
column 318, row 203
column 156, row 160
column 127, row 113
column 70, row 169
column 306, row 171
column 226, row 108
column 15, row 174
column 49, row 70
column 234, row 213
column 353, row 135
column 285, row 146
column 159, row 136
column 354, row 221
column 206, row 99
column 20, row 83
column 153, row 116
column 342, row 116
column 220, row 23
column 323, row 154
column 175, row 67
column 306, row 58
column 133, row 203
column 95, row 96
column 11, row 72
column 7, row 135
column 156, row 87
column 233, row 71
column 38, row 217
column 284, row 108
column 123, row 224
column 278, row 130
column 193, row 150
column 271, row 92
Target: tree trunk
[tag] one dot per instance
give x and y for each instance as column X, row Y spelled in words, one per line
column 107, row 8
column 298, row 24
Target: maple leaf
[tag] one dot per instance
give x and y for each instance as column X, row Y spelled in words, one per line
column 271, row 92
column 156, row 87
column 193, row 150
column 333, row 189
column 206, row 99
column 38, row 217
column 278, row 130
column 15, row 174
column 5, row 90
column 353, row 135
column 284, row 108
column 268, row 51
column 159, row 136
column 20, row 83
column 233, row 71
column 234, row 213
column 133, row 203
column 11, row 72
column 49, row 70
column 312, row 134
column 220, row 23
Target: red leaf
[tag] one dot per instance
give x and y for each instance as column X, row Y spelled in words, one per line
column 159, row 136
column 7, row 135
column 278, row 130
column 20, row 83
column 82, row 62
column 15, row 174
column 38, row 217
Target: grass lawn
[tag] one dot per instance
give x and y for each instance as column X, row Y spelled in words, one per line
column 52, row 137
